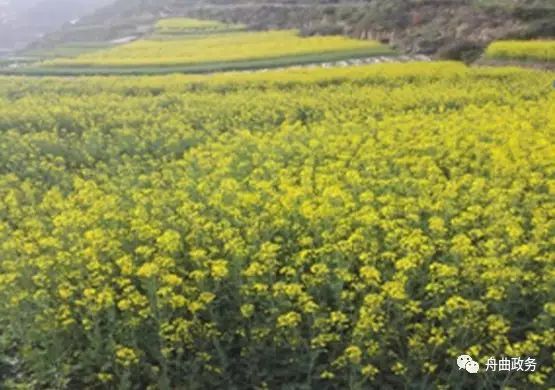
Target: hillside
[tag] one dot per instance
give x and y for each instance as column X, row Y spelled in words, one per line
column 447, row 27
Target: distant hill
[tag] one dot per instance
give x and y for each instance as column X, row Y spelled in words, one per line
column 25, row 21
column 452, row 28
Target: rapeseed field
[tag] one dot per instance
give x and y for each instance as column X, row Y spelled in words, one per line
column 536, row 50
column 348, row 228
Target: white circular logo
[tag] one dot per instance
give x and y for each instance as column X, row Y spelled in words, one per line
column 467, row 363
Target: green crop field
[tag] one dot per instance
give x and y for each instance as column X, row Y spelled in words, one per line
column 208, row 67
column 67, row 50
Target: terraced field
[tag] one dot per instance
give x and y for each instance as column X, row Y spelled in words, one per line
column 193, row 46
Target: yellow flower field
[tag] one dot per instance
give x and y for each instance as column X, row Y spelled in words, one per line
column 237, row 46
column 538, row 50
column 349, row 228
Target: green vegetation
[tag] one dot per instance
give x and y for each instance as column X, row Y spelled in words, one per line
column 68, row 50
column 185, row 26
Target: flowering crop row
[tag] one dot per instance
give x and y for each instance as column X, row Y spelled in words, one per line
column 348, row 228
column 538, row 50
